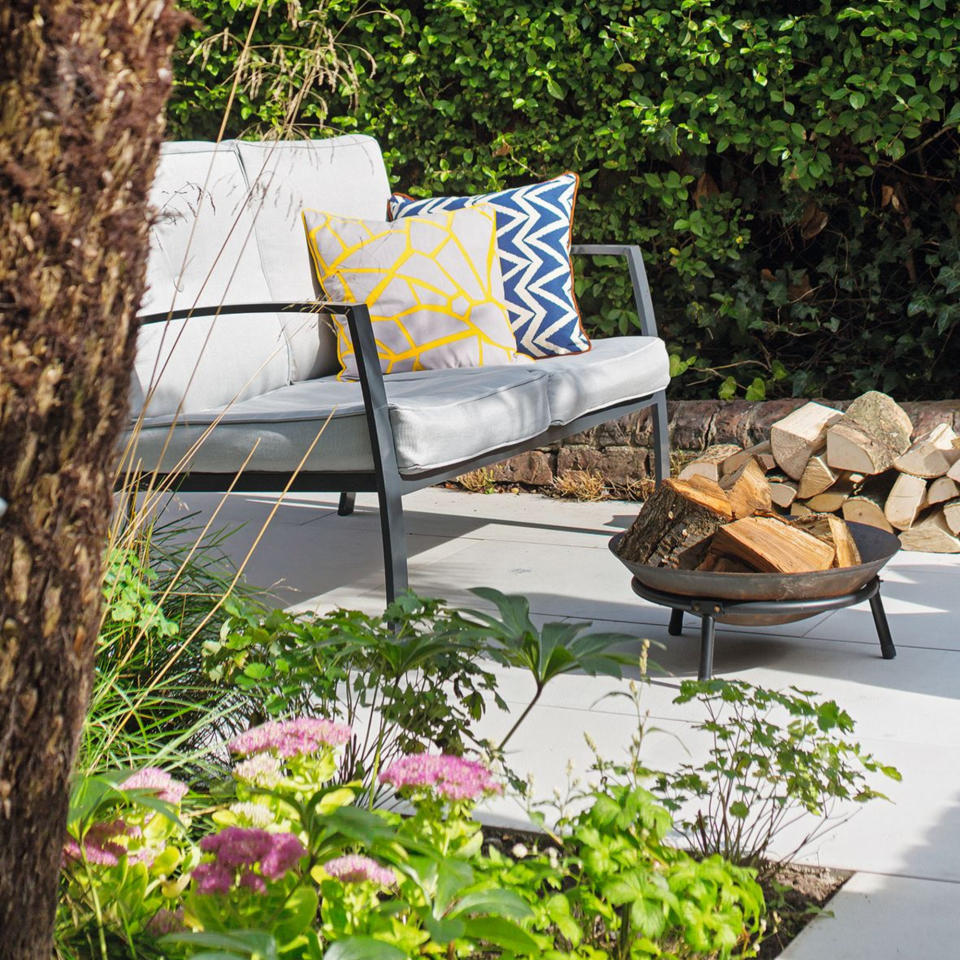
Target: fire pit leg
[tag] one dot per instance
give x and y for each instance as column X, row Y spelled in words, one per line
column 707, row 633
column 676, row 622
column 887, row 650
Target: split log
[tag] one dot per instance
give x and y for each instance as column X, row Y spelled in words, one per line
column 851, row 447
column 954, row 472
column 905, row 500
column 771, row 545
column 783, row 492
column 675, row 520
column 817, row 476
column 941, row 490
column 882, row 417
column 830, row 501
column 865, row 508
column 931, row 455
column 737, row 460
column 798, row 509
column 747, row 489
column 708, row 463
column 799, row 435
column 951, row 516
column 833, row 531
column 931, row 533
column 847, row 552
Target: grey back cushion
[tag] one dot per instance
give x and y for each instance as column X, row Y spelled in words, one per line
column 228, row 230
column 203, row 253
column 343, row 175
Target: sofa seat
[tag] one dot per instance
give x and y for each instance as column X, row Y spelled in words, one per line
column 439, row 418
column 615, row 370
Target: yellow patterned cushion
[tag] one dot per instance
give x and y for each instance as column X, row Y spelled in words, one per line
column 432, row 284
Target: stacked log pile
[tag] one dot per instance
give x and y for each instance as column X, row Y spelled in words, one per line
column 863, row 464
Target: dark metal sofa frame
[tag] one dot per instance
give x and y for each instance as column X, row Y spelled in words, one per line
column 385, row 478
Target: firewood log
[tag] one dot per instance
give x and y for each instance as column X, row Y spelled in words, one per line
column 817, row 476
column 799, row 435
column 708, row 464
column 737, row 460
column 783, row 492
column 747, row 489
column 830, row 501
column 951, row 516
column 904, row 501
column 931, row 533
column 851, row 447
column 931, row 455
column 941, row 490
column 677, row 517
column 772, row 545
column 833, row 531
column 865, row 508
column 882, row 417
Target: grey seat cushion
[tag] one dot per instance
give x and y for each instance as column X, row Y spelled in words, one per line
column 614, row 370
column 439, row 418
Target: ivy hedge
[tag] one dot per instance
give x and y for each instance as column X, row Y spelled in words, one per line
column 791, row 170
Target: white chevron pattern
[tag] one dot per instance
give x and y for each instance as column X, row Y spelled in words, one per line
column 533, row 241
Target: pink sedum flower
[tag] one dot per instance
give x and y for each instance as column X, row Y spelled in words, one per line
column 453, row 778
column 358, row 869
column 213, row 878
column 240, row 849
column 290, row 738
column 158, row 781
column 260, row 770
column 100, row 846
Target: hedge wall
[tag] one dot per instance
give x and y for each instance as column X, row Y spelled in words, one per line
column 793, row 177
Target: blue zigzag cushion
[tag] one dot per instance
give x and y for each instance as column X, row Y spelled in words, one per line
column 534, row 224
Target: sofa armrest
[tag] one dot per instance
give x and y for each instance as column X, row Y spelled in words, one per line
column 638, row 277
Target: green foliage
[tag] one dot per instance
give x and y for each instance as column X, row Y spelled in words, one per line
column 415, row 678
column 410, row 679
column 791, row 172
column 773, row 755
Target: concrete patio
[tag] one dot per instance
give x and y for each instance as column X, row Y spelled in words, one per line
column 902, row 902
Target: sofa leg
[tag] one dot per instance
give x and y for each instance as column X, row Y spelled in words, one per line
column 394, row 535
column 661, row 439
column 347, row 502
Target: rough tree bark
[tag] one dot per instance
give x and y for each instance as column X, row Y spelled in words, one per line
column 82, row 89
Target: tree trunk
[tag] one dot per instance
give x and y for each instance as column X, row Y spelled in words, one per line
column 82, row 89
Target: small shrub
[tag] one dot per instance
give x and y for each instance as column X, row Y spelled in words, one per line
column 774, row 757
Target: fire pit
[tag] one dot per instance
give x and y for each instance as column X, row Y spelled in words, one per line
column 765, row 599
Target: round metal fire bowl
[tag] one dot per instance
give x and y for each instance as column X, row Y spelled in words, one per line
column 755, row 613
column 876, row 548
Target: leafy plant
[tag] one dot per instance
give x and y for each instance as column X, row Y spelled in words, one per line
column 775, row 757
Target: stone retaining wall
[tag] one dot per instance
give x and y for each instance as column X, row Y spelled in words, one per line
column 620, row 450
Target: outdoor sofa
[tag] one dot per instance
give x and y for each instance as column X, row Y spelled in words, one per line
column 236, row 362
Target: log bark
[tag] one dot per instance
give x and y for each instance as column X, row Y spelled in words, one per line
column 882, row 417
column 674, row 521
column 83, row 84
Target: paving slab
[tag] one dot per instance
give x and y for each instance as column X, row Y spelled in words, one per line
column 877, row 917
